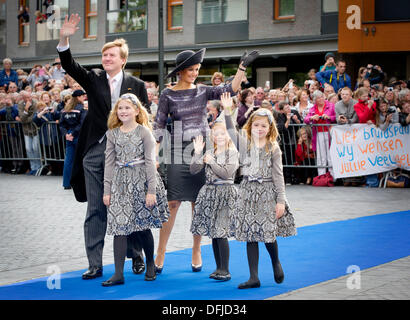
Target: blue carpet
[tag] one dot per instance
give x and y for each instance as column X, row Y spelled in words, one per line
column 318, row 253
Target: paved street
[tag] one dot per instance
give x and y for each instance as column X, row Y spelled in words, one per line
column 41, row 224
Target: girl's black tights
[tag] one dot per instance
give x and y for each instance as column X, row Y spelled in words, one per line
column 147, row 241
column 120, row 251
column 220, row 247
column 252, row 250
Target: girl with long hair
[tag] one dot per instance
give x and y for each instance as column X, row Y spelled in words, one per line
column 262, row 211
column 216, row 202
column 133, row 190
column 71, row 120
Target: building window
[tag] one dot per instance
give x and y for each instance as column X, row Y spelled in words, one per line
column 91, row 19
column 284, row 9
column 175, row 14
column 3, row 23
column 221, row 11
column 126, row 15
column 330, row 6
column 24, row 21
column 55, row 9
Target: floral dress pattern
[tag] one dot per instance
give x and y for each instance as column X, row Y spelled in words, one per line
column 256, row 215
column 215, row 205
column 127, row 212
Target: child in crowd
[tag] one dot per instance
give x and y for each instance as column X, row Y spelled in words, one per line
column 71, row 120
column 263, row 212
column 215, row 205
column 133, row 190
column 305, row 156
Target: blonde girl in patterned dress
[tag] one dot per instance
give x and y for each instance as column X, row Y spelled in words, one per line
column 216, row 202
column 263, row 212
column 133, row 190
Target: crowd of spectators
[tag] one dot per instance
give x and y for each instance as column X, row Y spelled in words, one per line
column 303, row 113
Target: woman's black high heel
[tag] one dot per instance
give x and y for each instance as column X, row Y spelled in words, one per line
column 196, row 268
column 158, row 269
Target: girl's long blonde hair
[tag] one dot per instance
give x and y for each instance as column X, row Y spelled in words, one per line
column 142, row 117
column 273, row 133
column 71, row 104
column 229, row 143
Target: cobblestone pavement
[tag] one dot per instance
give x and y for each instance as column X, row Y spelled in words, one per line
column 41, row 224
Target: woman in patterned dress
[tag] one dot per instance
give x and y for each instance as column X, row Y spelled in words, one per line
column 133, row 190
column 185, row 105
column 263, row 211
column 216, row 202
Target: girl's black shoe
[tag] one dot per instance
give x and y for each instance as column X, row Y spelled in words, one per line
column 248, row 285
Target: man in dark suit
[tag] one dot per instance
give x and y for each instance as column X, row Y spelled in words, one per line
column 103, row 88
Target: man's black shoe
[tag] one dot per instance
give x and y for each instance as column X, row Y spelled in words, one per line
column 92, row 273
column 138, row 266
column 110, row 283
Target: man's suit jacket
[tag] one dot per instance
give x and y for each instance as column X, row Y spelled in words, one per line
column 95, row 83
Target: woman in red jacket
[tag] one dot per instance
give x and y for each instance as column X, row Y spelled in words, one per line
column 365, row 108
column 366, row 111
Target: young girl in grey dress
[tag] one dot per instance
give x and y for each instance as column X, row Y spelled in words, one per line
column 216, row 201
column 263, row 212
column 133, row 190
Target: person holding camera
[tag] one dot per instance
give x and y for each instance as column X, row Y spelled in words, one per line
column 385, row 114
column 37, row 75
column 320, row 116
column 213, row 111
column 246, row 106
column 374, row 73
column 391, row 96
column 330, row 62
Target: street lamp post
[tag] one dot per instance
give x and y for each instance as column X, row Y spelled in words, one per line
column 160, row 45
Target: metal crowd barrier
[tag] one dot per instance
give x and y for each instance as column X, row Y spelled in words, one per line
column 12, row 146
column 288, row 141
column 49, row 144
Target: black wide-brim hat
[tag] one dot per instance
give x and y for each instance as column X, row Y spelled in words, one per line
column 186, row 59
column 78, row 93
